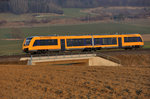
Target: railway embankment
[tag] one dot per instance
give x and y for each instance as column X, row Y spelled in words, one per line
column 126, row 57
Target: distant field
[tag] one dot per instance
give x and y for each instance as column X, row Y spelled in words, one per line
column 92, row 28
column 12, row 47
column 147, row 44
column 74, row 12
column 68, row 13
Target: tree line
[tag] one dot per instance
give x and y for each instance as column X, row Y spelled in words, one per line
column 55, row 6
column 30, row 6
column 104, row 3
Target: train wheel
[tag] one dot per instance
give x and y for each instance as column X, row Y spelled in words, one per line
column 94, row 49
column 137, row 47
column 128, row 48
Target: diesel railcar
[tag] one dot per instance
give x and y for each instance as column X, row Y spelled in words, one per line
column 84, row 42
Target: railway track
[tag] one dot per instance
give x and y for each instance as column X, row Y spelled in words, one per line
column 103, row 51
column 107, row 54
column 136, row 51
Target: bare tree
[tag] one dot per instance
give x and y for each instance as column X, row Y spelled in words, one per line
column 18, row 6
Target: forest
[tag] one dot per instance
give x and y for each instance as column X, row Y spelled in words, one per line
column 55, row 6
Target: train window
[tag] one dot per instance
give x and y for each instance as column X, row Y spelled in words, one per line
column 105, row 41
column 45, row 42
column 28, row 41
column 109, row 41
column 69, row 42
column 132, row 39
column 98, row 41
column 139, row 39
column 79, row 42
column 75, row 42
column 87, row 41
column 114, row 41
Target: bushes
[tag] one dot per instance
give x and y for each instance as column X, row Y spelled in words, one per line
column 2, row 22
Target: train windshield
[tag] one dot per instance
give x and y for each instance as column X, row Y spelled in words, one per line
column 27, row 41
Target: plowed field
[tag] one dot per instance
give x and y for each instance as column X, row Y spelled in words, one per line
column 73, row 82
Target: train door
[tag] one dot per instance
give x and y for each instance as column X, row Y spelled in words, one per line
column 62, row 44
column 120, row 42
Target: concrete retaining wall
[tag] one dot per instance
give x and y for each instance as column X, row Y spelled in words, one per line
column 98, row 61
column 93, row 59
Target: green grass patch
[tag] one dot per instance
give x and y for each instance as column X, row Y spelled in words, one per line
column 12, row 47
column 73, row 12
column 68, row 13
column 93, row 28
column 147, row 44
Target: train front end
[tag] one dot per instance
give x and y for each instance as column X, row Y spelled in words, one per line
column 26, row 44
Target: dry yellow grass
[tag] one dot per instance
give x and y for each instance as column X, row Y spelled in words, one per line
column 138, row 60
column 100, row 8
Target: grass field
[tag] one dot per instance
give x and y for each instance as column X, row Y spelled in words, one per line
column 92, row 28
column 10, row 47
column 68, row 13
column 147, row 44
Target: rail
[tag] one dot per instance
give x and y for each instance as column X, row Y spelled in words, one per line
column 63, row 53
